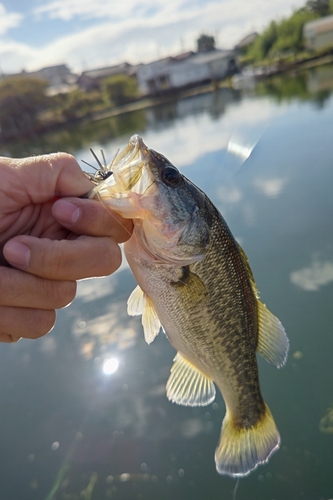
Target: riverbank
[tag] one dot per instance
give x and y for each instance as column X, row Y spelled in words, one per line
column 150, row 102
column 172, row 96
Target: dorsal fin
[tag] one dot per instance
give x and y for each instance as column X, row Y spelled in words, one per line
column 187, row 385
column 273, row 343
column 249, row 271
column 139, row 303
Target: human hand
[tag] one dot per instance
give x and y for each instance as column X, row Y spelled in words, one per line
column 50, row 244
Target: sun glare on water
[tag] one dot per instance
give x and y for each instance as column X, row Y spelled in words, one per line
column 110, row 366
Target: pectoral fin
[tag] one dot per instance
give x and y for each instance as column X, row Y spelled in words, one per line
column 273, row 343
column 136, row 302
column 187, row 385
column 139, row 303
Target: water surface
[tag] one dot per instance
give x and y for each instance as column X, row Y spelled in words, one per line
column 71, row 431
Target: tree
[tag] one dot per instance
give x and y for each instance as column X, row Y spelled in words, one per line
column 77, row 103
column 205, row 43
column 22, row 98
column 120, row 89
column 285, row 37
column 263, row 43
column 320, row 7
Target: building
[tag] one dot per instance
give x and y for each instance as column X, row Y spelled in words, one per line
column 185, row 70
column 318, row 34
column 60, row 78
column 245, row 42
column 91, row 79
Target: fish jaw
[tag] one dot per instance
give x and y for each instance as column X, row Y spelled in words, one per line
column 130, row 175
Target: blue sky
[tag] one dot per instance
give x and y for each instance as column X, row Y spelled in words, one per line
column 88, row 34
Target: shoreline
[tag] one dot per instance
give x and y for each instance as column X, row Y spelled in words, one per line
column 173, row 95
column 149, row 102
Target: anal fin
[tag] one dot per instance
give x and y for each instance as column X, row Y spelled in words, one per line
column 139, row 303
column 187, row 385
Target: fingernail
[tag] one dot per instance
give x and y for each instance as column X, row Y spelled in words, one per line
column 17, row 253
column 66, row 211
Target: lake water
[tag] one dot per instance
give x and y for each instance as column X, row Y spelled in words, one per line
column 69, row 430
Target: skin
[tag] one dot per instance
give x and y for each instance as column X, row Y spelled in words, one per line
column 49, row 239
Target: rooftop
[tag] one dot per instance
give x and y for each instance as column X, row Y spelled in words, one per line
column 319, row 25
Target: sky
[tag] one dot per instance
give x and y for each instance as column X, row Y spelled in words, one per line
column 88, row 34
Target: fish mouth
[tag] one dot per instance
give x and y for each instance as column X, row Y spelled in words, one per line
column 131, row 173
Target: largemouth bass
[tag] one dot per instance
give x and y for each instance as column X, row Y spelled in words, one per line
column 195, row 282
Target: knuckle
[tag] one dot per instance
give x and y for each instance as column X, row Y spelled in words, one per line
column 52, row 260
column 60, row 157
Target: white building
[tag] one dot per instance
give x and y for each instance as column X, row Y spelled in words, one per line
column 318, row 34
column 59, row 77
column 185, row 70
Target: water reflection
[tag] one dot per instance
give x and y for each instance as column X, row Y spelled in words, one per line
column 314, row 85
column 271, row 188
column 320, row 79
column 110, row 366
column 326, row 423
column 90, row 290
column 119, row 437
column 313, row 277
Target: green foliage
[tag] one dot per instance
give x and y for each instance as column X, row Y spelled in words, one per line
column 281, row 38
column 205, row 43
column 286, row 36
column 286, row 88
column 81, row 134
column 22, row 98
column 120, row 89
column 78, row 103
column 290, row 32
column 262, row 45
column 292, row 88
column 320, row 7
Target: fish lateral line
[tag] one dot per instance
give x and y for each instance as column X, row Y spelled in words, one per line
column 230, row 301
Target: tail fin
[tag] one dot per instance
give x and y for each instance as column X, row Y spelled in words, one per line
column 241, row 450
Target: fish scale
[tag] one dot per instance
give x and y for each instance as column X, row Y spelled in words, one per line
column 194, row 280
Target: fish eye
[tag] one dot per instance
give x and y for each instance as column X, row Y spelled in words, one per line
column 171, row 176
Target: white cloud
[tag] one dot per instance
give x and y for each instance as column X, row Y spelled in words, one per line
column 313, row 277
column 229, row 194
column 137, row 31
column 271, row 188
column 94, row 289
column 101, row 9
column 185, row 141
column 8, row 20
column 16, row 56
column 167, row 12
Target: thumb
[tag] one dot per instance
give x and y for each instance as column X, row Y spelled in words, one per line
column 48, row 176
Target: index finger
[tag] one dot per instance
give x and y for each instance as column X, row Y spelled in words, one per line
column 38, row 179
column 70, row 260
column 91, row 217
